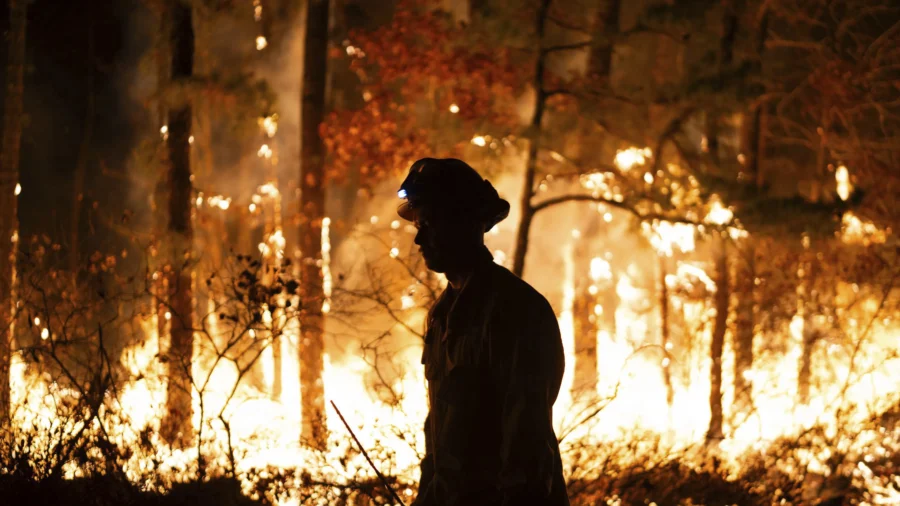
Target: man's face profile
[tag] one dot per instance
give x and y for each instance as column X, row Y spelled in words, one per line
column 443, row 239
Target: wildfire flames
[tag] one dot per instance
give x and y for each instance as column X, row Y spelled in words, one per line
column 632, row 381
column 641, row 321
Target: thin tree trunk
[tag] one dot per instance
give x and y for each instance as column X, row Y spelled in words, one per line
column 160, row 281
column 609, row 299
column 665, row 329
column 714, row 433
column 312, row 210
column 525, row 207
column 177, row 425
column 726, row 56
column 81, row 165
column 745, row 281
column 600, row 64
column 745, row 321
column 585, row 324
column 810, row 334
column 9, row 179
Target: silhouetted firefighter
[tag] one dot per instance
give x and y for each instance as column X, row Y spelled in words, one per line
column 493, row 354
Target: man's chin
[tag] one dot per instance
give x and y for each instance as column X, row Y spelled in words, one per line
column 433, row 265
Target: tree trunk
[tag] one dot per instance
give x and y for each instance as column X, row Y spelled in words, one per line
column 714, row 433
column 609, row 299
column 600, row 64
column 726, row 56
column 586, row 321
column 810, row 332
column 745, row 321
column 525, row 207
column 665, row 329
column 745, row 281
column 312, row 210
column 81, row 165
column 177, row 429
column 585, row 324
column 9, row 179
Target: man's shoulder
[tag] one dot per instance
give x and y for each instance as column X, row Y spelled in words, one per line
column 516, row 294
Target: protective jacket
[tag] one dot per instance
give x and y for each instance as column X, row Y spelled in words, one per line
column 494, row 362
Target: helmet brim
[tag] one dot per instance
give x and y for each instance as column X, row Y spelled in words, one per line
column 407, row 211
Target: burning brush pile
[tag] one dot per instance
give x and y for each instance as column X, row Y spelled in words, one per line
column 92, row 392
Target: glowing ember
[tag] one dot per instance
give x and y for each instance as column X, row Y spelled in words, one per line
column 855, row 230
column 326, row 262
column 454, row 108
column 842, row 178
column 665, row 236
column 268, row 190
column 269, row 124
column 18, row 190
column 219, row 201
column 718, row 214
column 479, row 140
column 600, row 269
column 261, row 43
column 626, row 159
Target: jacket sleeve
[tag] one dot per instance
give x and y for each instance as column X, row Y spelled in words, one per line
column 527, row 383
column 425, row 496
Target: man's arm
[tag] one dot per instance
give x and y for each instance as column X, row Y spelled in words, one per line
column 527, row 385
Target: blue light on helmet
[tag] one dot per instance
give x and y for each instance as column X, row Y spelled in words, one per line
column 401, row 194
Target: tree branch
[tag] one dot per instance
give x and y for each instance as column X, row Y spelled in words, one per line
column 561, row 91
column 566, row 47
column 569, row 26
column 620, row 205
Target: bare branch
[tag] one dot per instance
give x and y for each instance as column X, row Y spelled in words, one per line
column 569, row 26
column 566, row 47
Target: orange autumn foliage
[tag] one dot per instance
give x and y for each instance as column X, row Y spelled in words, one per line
column 428, row 85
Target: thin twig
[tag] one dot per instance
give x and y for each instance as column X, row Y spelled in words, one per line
column 366, row 455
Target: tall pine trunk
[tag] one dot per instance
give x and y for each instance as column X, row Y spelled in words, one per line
column 585, row 324
column 723, row 292
column 312, row 210
column 665, row 328
column 81, row 165
column 608, row 25
column 752, row 140
column 744, row 324
column 177, row 425
column 9, row 179
column 810, row 334
column 526, row 209
column 715, row 433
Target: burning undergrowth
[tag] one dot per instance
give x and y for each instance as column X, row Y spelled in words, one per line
column 90, row 376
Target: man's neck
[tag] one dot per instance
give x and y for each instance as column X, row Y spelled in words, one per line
column 468, row 262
